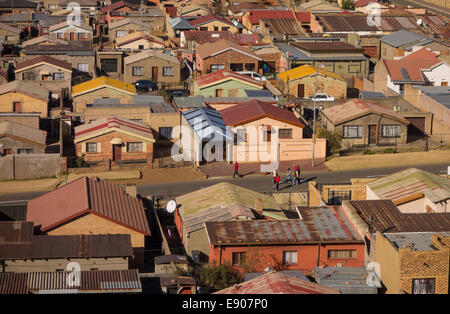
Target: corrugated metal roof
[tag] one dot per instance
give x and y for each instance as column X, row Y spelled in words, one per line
column 90, row 282
column 85, row 195
column 15, row 232
column 207, row 124
column 401, row 38
column 283, row 26
column 319, row 224
column 349, row 280
column 277, row 283
column 414, row 241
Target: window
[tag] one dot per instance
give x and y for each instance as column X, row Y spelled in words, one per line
column 203, row 28
column 8, row 38
column 239, row 258
column 391, row 130
column 250, row 67
column 82, row 35
column 236, row 67
column 352, row 131
column 134, row 147
column 91, row 147
column 290, row 257
column 225, row 28
column 242, row 135
column 216, row 28
column 267, row 134
column 109, row 65
column 83, row 67
column 141, row 47
column 216, row 67
column 285, row 133
column 28, row 76
column 17, row 106
column 354, row 68
column 138, row 71
column 58, row 76
column 52, row 6
column 121, row 34
column 341, row 254
column 423, row 286
column 24, row 151
column 59, row 35
column 165, row 133
column 167, row 71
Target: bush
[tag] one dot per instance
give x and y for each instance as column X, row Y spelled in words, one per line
column 218, row 276
column 389, row 151
column 368, row 152
column 80, row 162
column 334, row 139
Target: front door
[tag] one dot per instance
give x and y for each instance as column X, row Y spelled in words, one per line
column 117, row 152
column 373, row 134
column 155, row 74
column 301, row 90
column 72, row 36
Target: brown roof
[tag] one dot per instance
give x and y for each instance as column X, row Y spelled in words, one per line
column 282, row 26
column 356, row 108
column 69, row 246
column 15, row 232
column 318, row 224
column 56, row 62
column 384, row 216
column 94, row 196
column 211, row 49
column 254, row 110
column 338, row 46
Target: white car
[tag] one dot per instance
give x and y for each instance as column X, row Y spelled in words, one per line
column 321, row 97
column 253, row 75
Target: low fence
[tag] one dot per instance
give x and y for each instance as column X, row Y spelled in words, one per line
column 29, row 166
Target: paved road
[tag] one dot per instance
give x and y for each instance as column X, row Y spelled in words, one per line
column 258, row 183
column 430, row 6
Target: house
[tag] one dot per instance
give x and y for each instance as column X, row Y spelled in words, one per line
column 8, row 7
column 279, row 29
column 109, row 63
column 213, row 23
column 71, row 32
column 138, row 41
column 270, row 59
column 127, row 26
column 323, row 236
column 252, row 96
column 251, row 18
column 17, row 138
column 9, row 35
column 191, row 39
column 412, row 191
column 151, row 16
column 319, row 6
column 194, row 9
column 365, row 123
column 306, row 80
column 101, row 87
column 224, row 83
column 238, row 9
column 116, row 139
column 371, row 7
column 93, row 281
column 275, row 282
column 44, row 21
column 221, row 202
column 266, row 133
column 421, row 67
column 334, row 194
column 43, row 40
column 27, row 119
column 48, row 72
column 220, row 55
column 413, row 263
column 92, row 206
column 24, row 97
column 348, row 280
column 175, row 25
column 344, row 59
column 79, row 53
column 52, row 253
column 157, row 66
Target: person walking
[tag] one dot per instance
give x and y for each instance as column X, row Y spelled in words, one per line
column 236, row 168
column 288, row 176
column 294, row 178
column 276, row 182
column 297, row 173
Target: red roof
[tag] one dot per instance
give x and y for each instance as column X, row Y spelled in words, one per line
column 255, row 16
column 303, row 17
column 56, row 62
column 221, row 75
column 118, row 5
column 278, row 283
column 256, row 109
column 172, row 11
column 410, row 68
column 209, row 18
column 94, row 196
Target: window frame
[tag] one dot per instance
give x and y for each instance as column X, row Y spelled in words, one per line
column 217, row 67
column 168, row 71
column 239, row 258
column 359, row 132
column 58, row 76
column 89, row 150
column 134, row 151
column 282, row 136
column 427, row 285
column 86, row 65
column 28, row 151
column 168, row 128
column 135, row 72
column 285, row 259
column 350, row 257
column 385, row 126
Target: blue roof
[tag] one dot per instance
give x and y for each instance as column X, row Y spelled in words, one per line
column 180, row 23
column 401, row 38
column 207, row 124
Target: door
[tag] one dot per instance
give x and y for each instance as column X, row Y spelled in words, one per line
column 117, row 152
column 373, row 134
column 72, row 36
column 219, row 92
column 7, row 151
column 17, row 106
column 155, row 74
column 301, row 90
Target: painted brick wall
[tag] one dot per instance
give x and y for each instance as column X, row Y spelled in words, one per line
column 203, row 66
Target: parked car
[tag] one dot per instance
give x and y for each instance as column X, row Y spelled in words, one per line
column 321, row 97
column 145, row 86
column 253, row 75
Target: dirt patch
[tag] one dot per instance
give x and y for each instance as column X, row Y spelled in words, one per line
column 388, row 160
column 21, row 186
column 166, row 175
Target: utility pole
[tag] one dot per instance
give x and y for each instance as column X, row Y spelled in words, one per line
column 61, row 114
column 314, row 118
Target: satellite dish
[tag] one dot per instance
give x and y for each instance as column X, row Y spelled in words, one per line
column 171, row 206
column 419, row 22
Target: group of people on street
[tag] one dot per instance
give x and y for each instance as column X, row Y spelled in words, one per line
column 292, row 178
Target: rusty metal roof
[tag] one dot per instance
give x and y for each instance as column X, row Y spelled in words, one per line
column 88, row 195
column 94, row 281
column 278, row 283
column 317, row 224
column 69, row 246
column 283, row 26
column 384, row 216
column 12, row 232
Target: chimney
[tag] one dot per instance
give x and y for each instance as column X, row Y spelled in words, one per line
column 258, row 206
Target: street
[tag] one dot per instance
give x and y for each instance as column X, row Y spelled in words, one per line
column 430, row 6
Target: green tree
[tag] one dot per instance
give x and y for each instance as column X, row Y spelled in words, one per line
column 218, row 277
column 334, row 139
column 348, row 5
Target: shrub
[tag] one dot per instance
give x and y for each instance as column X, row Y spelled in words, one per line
column 218, row 276
column 368, row 152
column 334, row 139
column 389, row 151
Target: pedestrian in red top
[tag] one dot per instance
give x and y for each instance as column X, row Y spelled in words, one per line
column 276, row 182
column 236, row 168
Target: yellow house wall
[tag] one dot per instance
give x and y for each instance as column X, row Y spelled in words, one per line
column 79, row 102
column 29, row 104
